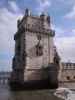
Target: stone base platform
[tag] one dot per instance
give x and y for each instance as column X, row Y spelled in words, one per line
column 33, row 85
column 45, row 79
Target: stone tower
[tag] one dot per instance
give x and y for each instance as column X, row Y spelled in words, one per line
column 34, row 47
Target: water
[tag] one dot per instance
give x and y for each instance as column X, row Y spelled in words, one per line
column 6, row 94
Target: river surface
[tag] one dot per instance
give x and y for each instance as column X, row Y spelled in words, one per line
column 7, row 94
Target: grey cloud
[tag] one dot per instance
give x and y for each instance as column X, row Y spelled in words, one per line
column 7, row 29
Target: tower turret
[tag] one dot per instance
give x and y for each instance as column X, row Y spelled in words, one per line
column 27, row 12
column 45, row 18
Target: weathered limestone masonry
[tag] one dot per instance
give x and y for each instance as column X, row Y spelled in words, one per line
column 34, row 47
column 67, row 75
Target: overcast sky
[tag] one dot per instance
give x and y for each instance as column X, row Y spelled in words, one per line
column 62, row 14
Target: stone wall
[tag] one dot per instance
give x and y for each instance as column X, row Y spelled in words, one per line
column 67, row 75
column 70, row 85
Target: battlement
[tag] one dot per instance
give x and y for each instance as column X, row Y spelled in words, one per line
column 42, row 21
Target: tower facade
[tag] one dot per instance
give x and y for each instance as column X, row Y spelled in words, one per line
column 34, row 47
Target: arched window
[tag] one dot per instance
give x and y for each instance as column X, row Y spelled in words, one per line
column 68, row 77
column 74, row 77
column 39, row 50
